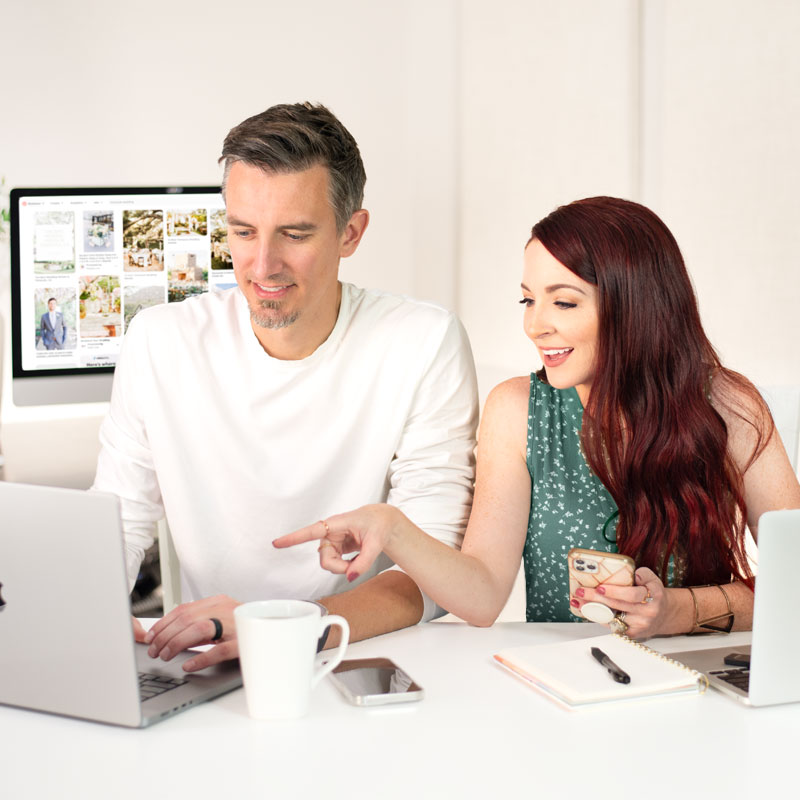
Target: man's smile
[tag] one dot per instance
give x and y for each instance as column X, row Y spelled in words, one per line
column 271, row 292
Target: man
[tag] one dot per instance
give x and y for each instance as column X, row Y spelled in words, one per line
column 248, row 413
column 54, row 331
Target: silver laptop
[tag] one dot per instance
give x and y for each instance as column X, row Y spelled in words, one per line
column 66, row 641
column 775, row 651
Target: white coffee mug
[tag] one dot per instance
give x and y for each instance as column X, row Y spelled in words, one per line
column 278, row 654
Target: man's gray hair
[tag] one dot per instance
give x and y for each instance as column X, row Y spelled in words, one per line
column 293, row 138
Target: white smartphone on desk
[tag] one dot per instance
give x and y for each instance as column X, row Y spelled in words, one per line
column 375, row 682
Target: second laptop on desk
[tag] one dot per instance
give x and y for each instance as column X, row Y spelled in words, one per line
column 775, row 652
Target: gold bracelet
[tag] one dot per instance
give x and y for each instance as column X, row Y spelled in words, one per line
column 706, row 623
column 696, row 610
column 731, row 616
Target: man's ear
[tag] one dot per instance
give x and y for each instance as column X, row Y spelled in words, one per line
column 353, row 232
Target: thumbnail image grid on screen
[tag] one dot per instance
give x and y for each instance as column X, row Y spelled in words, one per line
column 87, row 261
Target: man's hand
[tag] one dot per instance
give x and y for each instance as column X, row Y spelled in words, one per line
column 190, row 625
column 138, row 631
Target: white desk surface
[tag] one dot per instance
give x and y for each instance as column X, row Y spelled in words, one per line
column 478, row 733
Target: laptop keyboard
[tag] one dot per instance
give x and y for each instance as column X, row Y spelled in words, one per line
column 740, row 678
column 151, row 685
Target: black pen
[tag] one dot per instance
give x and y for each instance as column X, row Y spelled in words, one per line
column 619, row 675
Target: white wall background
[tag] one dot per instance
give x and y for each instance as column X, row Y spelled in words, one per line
column 474, row 118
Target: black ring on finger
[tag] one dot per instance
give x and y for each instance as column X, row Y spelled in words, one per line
column 217, row 629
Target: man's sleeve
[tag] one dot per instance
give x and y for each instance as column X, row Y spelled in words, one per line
column 125, row 465
column 433, row 471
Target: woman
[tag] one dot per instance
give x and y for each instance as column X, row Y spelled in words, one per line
column 633, row 438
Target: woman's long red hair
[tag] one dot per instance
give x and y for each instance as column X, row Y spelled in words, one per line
column 650, row 432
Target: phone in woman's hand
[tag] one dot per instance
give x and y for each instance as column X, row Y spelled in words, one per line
column 593, row 568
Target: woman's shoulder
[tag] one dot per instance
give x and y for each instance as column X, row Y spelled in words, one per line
column 735, row 398
column 507, row 405
column 744, row 412
column 527, row 392
column 755, row 446
column 509, row 394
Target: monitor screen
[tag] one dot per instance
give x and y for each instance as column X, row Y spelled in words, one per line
column 85, row 261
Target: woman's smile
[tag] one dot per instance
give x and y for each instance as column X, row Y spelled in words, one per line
column 554, row 358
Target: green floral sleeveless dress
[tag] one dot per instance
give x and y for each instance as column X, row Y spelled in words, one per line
column 569, row 504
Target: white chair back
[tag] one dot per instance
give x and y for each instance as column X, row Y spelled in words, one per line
column 170, row 568
column 784, row 403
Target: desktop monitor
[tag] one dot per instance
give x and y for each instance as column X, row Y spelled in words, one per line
column 85, row 261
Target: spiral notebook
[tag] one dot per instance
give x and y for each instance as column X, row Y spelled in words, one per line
column 567, row 673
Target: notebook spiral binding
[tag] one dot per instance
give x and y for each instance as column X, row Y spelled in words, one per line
column 701, row 678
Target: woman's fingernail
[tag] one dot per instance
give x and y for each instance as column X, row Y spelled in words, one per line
column 600, row 590
column 148, row 637
column 352, row 576
column 574, row 603
column 580, row 592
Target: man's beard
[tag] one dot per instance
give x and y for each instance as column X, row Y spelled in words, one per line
column 268, row 315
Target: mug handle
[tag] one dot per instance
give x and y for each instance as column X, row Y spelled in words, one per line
column 338, row 653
